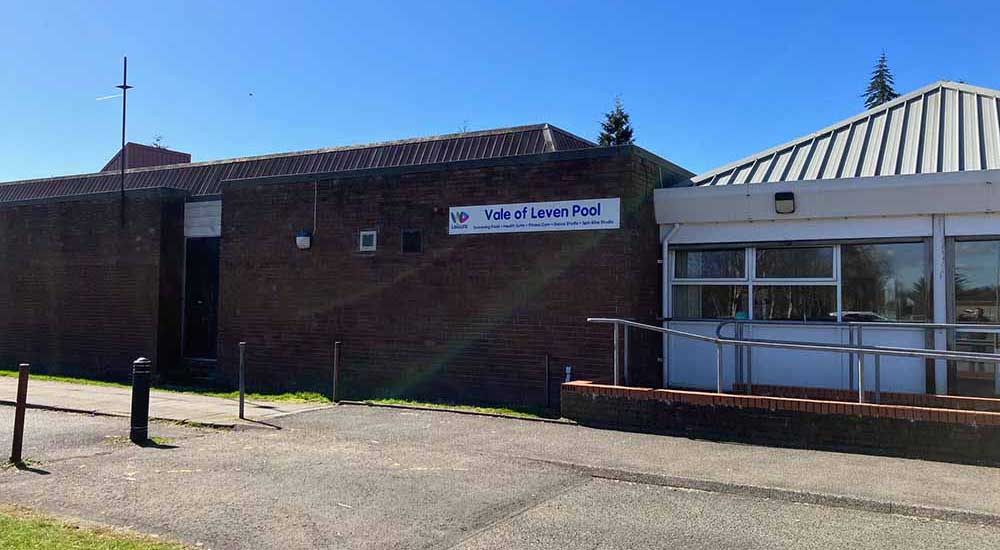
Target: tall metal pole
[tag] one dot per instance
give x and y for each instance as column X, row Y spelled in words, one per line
column 335, row 390
column 243, row 356
column 614, row 375
column 123, row 155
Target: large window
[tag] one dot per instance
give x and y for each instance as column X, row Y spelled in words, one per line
column 710, row 264
column 711, row 284
column 795, row 284
column 795, row 263
column 710, row 301
column 885, row 282
column 977, row 281
column 977, row 300
column 795, row 303
column 850, row 282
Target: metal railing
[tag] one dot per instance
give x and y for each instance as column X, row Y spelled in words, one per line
column 858, row 350
column 856, row 334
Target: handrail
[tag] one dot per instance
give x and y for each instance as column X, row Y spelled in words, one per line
column 968, row 327
column 860, row 350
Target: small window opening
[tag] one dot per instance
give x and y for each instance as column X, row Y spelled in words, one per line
column 412, row 241
column 368, row 241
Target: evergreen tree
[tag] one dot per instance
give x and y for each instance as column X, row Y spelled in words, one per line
column 616, row 128
column 880, row 88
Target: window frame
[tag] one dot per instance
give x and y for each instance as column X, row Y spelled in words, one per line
column 928, row 260
column 711, row 280
column 797, row 281
column 361, row 240
column 751, row 281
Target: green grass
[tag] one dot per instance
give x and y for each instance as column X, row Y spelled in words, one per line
column 20, row 530
column 287, row 397
column 485, row 409
column 51, row 378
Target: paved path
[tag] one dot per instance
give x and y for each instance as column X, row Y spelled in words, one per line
column 363, row 477
column 182, row 407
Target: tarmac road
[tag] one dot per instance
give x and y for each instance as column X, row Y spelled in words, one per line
column 359, row 477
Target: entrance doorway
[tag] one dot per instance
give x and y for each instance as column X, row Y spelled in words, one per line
column 201, row 298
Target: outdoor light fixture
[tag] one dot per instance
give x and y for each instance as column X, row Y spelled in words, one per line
column 784, row 203
column 303, row 240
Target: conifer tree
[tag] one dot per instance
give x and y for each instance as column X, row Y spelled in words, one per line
column 880, row 88
column 616, row 128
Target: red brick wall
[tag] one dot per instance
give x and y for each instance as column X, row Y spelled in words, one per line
column 886, row 398
column 936, row 433
column 79, row 293
column 471, row 317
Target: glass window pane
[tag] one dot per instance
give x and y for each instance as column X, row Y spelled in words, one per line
column 795, row 263
column 710, row 302
column 973, row 377
column 798, row 303
column 977, row 281
column 709, row 264
column 885, row 282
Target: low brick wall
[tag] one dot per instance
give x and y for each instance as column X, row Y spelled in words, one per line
column 887, row 398
column 917, row 432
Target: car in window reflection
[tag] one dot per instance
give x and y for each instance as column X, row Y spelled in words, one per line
column 861, row 317
column 974, row 315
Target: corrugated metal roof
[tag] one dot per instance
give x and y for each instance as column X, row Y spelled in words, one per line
column 944, row 127
column 142, row 156
column 205, row 178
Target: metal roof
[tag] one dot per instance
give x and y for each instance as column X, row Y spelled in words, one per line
column 205, row 178
column 141, row 156
column 943, row 127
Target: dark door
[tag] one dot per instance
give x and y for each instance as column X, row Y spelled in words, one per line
column 201, row 298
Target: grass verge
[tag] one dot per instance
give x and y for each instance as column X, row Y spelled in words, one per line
column 519, row 412
column 22, row 530
column 287, row 397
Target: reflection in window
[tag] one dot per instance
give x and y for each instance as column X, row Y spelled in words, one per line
column 885, row 282
column 977, row 300
column 795, row 302
column 977, row 281
column 709, row 264
column 710, row 302
column 795, row 263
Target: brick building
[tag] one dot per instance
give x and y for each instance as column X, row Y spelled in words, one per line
column 366, row 245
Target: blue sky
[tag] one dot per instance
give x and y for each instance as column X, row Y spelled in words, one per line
column 705, row 82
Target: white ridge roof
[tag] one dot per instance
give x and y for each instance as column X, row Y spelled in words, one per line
column 943, row 127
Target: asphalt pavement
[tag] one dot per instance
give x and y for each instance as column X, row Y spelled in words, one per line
column 361, row 477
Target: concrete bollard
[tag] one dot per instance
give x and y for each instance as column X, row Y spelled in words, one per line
column 142, row 371
column 22, row 402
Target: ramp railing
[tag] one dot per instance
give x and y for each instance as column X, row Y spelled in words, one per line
column 857, row 350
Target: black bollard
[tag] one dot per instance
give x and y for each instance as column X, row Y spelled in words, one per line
column 142, row 371
column 335, row 389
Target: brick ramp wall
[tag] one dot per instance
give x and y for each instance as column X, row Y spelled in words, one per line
column 939, row 434
column 887, row 398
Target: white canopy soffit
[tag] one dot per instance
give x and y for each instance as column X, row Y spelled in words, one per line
column 943, row 127
column 915, row 195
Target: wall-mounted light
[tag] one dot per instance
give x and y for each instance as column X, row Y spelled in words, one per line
column 303, row 240
column 784, row 203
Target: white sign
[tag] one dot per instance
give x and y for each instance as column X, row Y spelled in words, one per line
column 573, row 215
